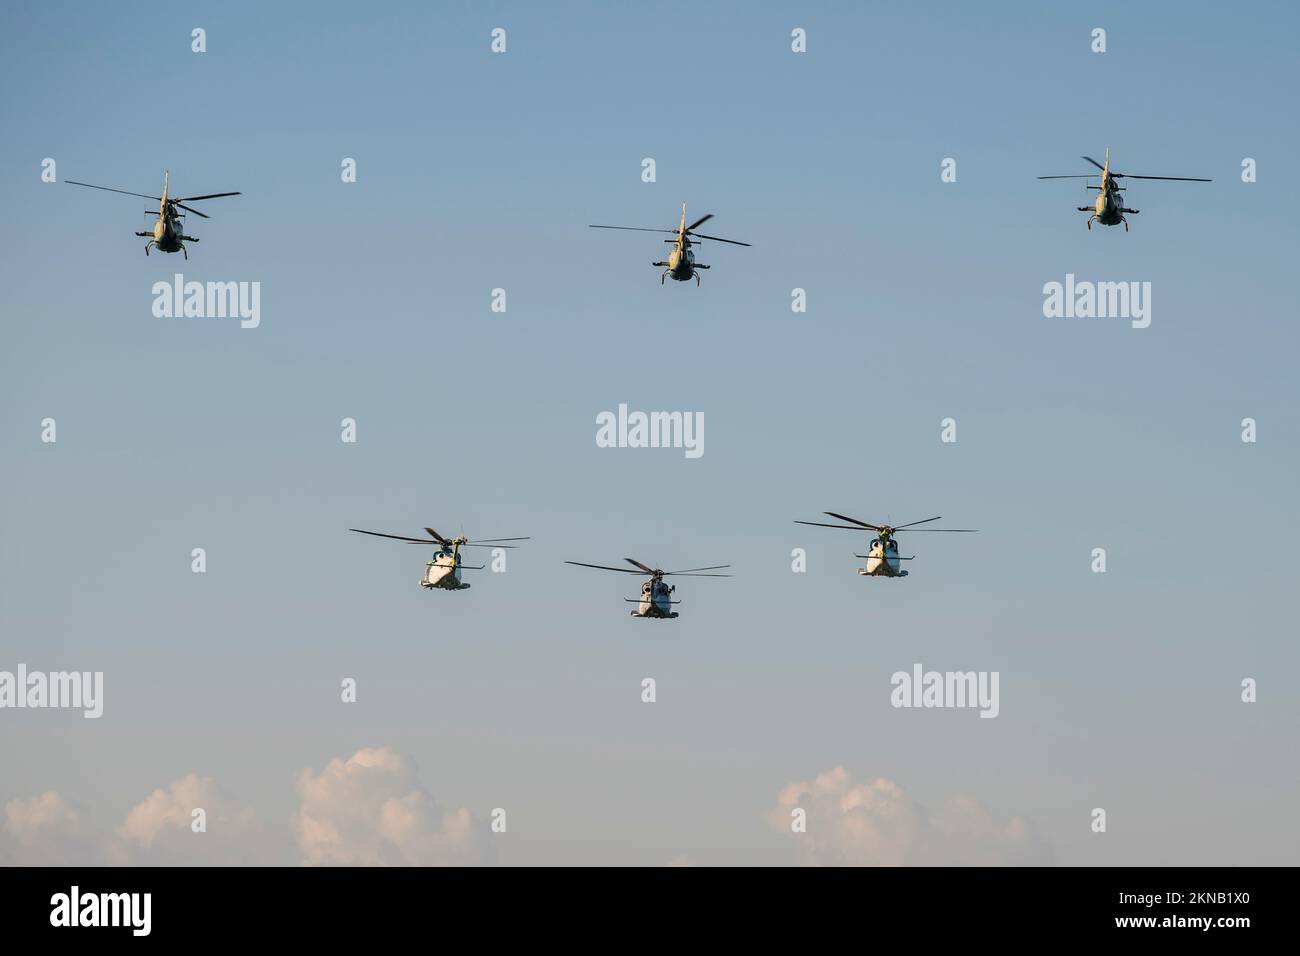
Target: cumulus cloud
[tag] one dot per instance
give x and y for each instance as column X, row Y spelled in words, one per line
column 47, row 830
column 159, row 831
column 368, row 809
column 877, row 823
column 371, row 809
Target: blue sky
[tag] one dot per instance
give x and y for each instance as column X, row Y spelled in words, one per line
column 478, row 171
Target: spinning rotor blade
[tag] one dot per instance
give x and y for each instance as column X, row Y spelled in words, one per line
column 635, row 229
column 208, row 196
column 495, row 540
column 714, row 567
column 950, row 530
column 683, row 574
column 398, row 537
column 195, row 211
column 647, row 570
column 1085, row 176
column 474, row 544
column 716, row 239
column 439, row 538
column 699, row 222
column 73, row 182
column 604, row 567
column 1181, row 179
column 818, row 524
column 853, row 521
column 900, row 527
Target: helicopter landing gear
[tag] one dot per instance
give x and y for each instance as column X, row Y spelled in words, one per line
column 1090, row 219
column 183, row 249
column 697, row 280
column 663, row 276
column 1125, row 222
column 151, row 242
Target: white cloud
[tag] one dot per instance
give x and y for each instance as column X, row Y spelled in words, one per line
column 159, row 830
column 878, row 824
column 47, row 830
column 372, row 810
column 367, row 809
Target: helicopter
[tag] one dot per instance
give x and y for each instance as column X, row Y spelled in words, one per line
column 1109, row 208
column 882, row 553
column 681, row 264
column 656, row 596
column 168, row 232
column 443, row 569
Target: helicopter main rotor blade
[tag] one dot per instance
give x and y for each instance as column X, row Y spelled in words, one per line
column 686, row 574
column 208, row 196
column 474, row 544
column 635, row 229
column 948, row 530
column 604, row 567
column 396, row 537
column 495, row 540
column 1095, row 163
column 844, row 527
column 1084, row 176
column 1180, row 179
column 699, row 222
column 853, row 521
column 647, row 570
column 439, row 538
column 195, row 211
column 899, row 527
column 714, row 567
column 110, row 189
column 716, row 239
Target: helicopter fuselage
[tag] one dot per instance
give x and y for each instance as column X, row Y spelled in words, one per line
column 167, row 234
column 443, row 571
column 656, row 600
column 1109, row 207
column 882, row 559
column 681, row 263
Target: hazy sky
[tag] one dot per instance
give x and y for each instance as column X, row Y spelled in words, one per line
column 478, row 171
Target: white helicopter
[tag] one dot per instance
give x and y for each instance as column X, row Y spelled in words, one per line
column 168, row 232
column 443, row 569
column 882, row 554
column 681, row 264
column 656, row 596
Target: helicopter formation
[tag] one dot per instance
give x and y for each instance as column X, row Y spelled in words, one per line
column 656, row 601
column 168, row 232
